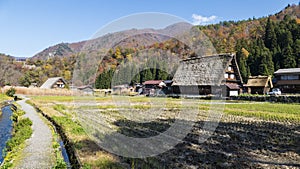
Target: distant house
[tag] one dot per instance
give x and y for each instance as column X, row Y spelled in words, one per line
column 202, row 75
column 88, row 89
column 120, row 89
column 20, row 59
column 54, row 83
column 168, row 89
column 102, row 92
column 259, row 84
column 33, row 85
column 288, row 80
column 151, row 87
column 138, row 88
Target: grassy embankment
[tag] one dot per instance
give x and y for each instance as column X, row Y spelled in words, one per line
column 3, row 97
column 90, row 155
column 21, row 132
column 60, row 108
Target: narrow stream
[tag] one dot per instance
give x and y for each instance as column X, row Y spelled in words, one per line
column 64, row 154
column 5, row 129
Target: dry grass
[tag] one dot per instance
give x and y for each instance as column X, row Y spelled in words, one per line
column 42, row 92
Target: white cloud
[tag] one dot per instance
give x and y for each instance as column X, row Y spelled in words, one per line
column 202, row 20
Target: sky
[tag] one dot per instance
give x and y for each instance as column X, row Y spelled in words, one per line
column 28, row 27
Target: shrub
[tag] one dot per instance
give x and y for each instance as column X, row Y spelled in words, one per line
column 11, row 92
column 60, row 164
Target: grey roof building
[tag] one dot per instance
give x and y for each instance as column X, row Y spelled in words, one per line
column 288, row 71
column 288, row 80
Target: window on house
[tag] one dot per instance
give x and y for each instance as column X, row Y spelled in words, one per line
column 226, row 75
column 231, row 76
column 289, row 77
column 229, row 68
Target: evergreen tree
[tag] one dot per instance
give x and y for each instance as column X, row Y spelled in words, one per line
column 136, row 78
column 289, row 61
column 147, row 75
column 297, row 51
column 277, row 58
column 161, row 71
column 285, row 39
column 269, row 60
column 260, row 59
column 254, row 59
column 263, row 69
column 241, row 56
column 103, row 81
column 270, row 36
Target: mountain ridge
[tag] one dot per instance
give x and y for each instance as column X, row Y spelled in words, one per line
column 138, row 38
column 244, row 38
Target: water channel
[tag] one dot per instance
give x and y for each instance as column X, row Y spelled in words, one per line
column 5, row 129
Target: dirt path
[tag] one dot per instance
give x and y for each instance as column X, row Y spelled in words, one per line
column 38, row 152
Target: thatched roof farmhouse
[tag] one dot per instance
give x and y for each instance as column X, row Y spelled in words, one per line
column 198, row 75
column 259, row 84
column 54, row 83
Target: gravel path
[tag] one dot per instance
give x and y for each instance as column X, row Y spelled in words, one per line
column 38, row 153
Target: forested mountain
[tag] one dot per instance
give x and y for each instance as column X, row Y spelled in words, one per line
column 10, row 70
column 261, row 45
column 133, row 38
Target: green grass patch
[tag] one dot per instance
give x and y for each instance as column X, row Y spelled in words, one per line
column 21, row 131
column 265, row 115
column 97, row 107
column 69, row 98
column 4, row 97
column 268, row 107
column 266, row 111
column 59, row 161
column 53, row 98
column 60, row 107
column 70, row 126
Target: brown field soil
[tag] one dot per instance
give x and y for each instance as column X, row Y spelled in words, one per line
column 249, row 135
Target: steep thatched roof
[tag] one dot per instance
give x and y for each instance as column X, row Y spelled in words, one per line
column 260, row 81
column 51, row 81
column 202, row 71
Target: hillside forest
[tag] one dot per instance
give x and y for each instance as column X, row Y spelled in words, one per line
column 262, row 46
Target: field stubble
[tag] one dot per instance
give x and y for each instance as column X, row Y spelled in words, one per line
column 249, row 134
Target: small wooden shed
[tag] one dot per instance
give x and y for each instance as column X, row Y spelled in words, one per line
column 259, row 84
